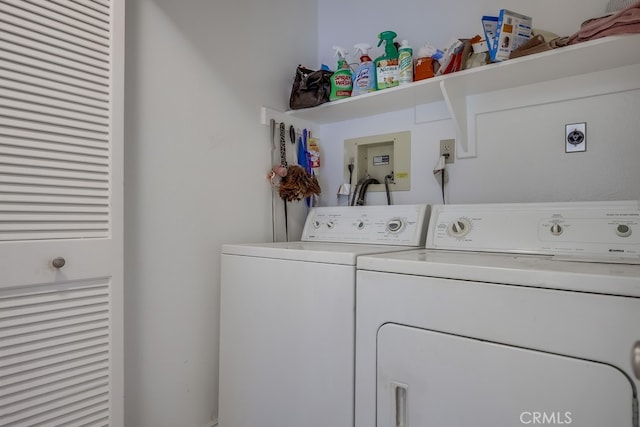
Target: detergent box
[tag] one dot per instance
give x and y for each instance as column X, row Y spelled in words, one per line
column 490, row 26
column 511, row 31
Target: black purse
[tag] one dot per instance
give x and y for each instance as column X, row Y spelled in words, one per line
column 310, row 88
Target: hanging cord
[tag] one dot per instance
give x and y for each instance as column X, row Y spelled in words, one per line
column 440, row 169
column 350, row 167
column 442, row 185
column 283, row 162
column 273, row 192
column 386, row 187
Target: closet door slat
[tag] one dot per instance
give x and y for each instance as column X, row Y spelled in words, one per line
column 53, row 373
column 63, row 106
column 40, row 25
column 71, row 12
column 86, row 7
column 20, row 30
column 56, row 19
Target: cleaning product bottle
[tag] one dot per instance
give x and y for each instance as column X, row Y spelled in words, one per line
column 405, row 58
column 364, row 79
column 387, row 68
column 341, row 83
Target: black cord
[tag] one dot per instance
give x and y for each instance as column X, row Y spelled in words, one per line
column 443, row 201
column 386, row 187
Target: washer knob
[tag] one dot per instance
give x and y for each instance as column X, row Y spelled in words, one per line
column 331, row 224
column 556, row 229
column 460, row 227
column 395, row 225
column 359, row 224
column 316, row 223
column 623, row 230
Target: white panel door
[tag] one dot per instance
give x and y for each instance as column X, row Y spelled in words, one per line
column 428, row 378
column 61, row 114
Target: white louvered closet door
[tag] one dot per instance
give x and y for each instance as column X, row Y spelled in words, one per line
column 61, row 167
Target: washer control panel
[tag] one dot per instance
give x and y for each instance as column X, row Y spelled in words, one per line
column 404, row 225
column 590, row 230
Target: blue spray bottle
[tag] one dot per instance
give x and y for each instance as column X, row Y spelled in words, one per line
column 364, row 78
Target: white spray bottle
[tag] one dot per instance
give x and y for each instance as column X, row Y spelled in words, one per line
column 364, row 79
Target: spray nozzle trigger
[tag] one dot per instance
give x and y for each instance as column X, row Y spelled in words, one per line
column 340, row 52
column 387, row 36
column 363, row 48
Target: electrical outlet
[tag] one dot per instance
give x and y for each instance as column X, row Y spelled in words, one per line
column 448, row 150
column 575, row 137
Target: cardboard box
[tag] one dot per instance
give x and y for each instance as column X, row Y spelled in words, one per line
column 513, row 29
column 490, row 27
column 424, row 69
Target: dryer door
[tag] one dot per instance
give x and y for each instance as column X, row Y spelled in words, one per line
column 428, row 378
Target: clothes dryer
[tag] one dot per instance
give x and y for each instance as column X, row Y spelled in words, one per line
column 287, row 316
column 514, row 314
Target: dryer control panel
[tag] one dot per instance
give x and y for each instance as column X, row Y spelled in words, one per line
column 607, row 231
column 404, row 225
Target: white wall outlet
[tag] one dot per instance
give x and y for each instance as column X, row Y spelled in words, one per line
column 575, row 137
column 448, row 150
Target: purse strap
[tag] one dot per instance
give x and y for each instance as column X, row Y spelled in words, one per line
column 303, row 78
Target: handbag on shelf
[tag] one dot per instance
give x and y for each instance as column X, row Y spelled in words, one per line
column 310, row 88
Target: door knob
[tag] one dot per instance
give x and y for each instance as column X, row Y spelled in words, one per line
column 58, row 262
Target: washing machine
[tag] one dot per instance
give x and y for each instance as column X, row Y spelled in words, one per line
column 513, row 314
column 287, row 328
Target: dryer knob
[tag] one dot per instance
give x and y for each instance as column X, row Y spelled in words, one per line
column 556, row 229
column 623, row 230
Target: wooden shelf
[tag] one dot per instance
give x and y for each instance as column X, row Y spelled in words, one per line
column 588, row 57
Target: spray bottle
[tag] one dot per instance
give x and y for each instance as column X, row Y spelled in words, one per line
column 364, row 79
column 341, row 83
column 387, row 67
column 405, row 58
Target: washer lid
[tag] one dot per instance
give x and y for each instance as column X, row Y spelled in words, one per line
column 331, row 253
column 511, row 269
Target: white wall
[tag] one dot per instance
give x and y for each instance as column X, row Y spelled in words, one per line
column 521, row 154
column 357, row 21
column 197, row 73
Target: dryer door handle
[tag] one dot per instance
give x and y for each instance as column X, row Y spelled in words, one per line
column 401, row 405
column 635, row 359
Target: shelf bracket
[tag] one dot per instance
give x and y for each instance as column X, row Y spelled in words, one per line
column 456, row 100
